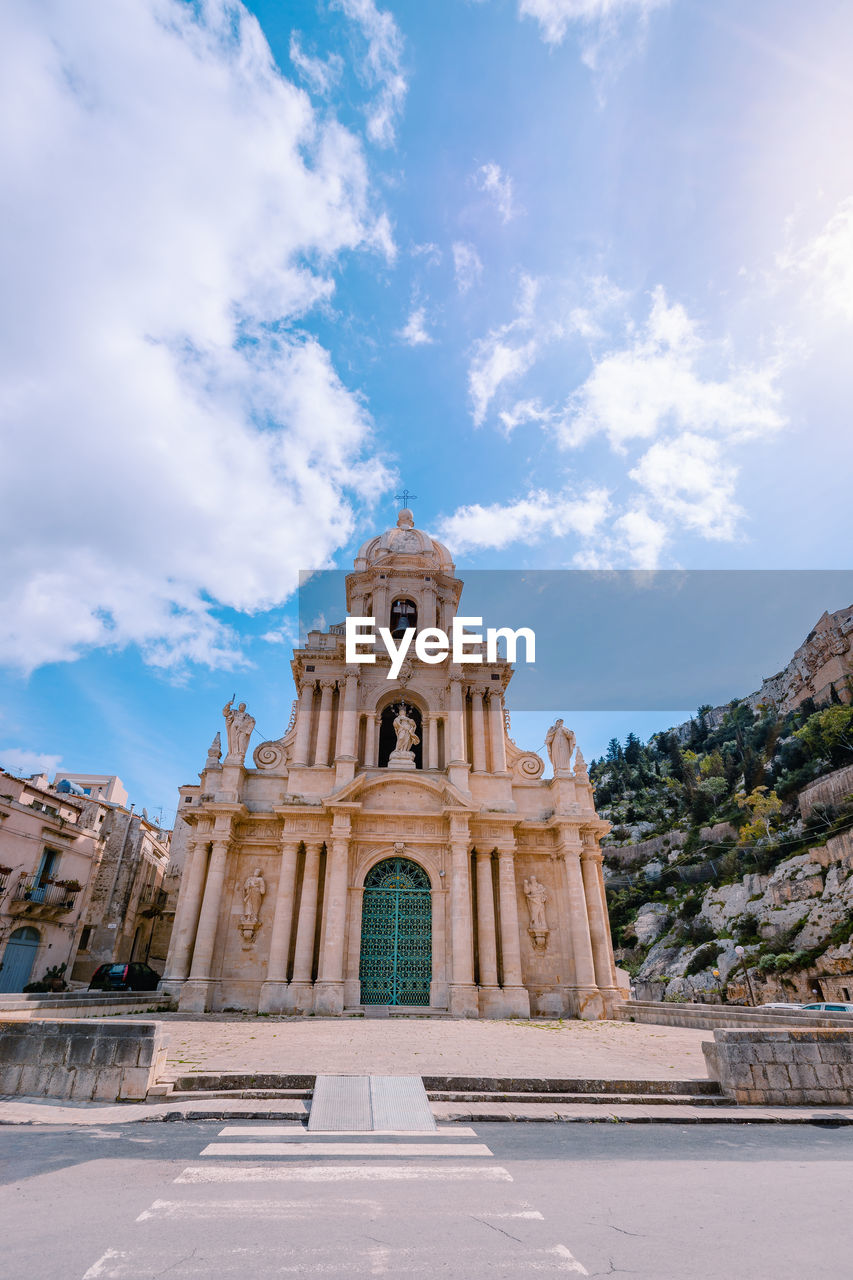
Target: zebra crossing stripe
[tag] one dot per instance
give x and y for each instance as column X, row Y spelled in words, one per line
column 212, row 1173
column 454, row 1149
column 295, row 1130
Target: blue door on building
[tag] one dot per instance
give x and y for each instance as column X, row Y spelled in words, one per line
column 18, row 958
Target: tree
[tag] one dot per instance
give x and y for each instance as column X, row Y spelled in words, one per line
column 764, row 808
column 828, row 733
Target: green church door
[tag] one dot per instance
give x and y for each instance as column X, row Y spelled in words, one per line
column 396, row 934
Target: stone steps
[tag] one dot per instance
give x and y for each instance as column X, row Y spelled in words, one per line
column 286, row 1095
column 604, row 1099
column 455, row 1089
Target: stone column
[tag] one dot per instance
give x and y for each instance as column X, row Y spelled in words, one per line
column 352, row 981
column 345, row 753
column 432, row 742
column 496, row 726
column 463, row 993
column 370, row 737
column 324, row 729
column 195, row 994
column 273, row 991
column 478, row 731
column 599, row 930
column 300, row 993
column 587, row 997
column 486, row 943
column 516, row 1000
column 329, row 987
column 438, row 979
column 302, row 745
column 186, row 916
column 456, row 751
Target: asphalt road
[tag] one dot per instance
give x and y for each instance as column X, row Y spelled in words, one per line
column 655, row 1202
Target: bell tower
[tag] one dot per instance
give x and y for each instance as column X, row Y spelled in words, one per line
column 404, row 578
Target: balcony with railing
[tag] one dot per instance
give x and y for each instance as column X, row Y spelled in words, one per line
column 45, row 897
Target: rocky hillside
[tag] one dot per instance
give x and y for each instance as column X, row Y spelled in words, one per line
column 735, row 830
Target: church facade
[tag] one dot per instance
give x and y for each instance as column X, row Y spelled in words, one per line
column 394, row 847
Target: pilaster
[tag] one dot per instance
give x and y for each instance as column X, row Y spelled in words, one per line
column 274, row 989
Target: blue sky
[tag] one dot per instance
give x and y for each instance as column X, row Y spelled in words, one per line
column 579, row 273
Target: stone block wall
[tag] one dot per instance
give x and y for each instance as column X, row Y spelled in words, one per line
column 783, row 1067
column 83, row 1061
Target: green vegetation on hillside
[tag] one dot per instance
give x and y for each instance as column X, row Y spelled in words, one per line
column 745, row 773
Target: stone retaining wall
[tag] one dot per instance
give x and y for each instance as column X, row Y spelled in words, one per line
column 830, row 789
column 781, row 1067
column 82, row 1004
column 707, row 1017
column 104, row 1061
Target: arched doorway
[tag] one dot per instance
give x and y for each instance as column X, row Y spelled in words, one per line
column 396, row 934
column 388, row 738
column 19, row 958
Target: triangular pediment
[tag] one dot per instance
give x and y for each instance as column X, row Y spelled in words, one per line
column 410, row 791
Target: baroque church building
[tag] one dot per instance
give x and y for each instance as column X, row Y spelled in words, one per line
column 394, row 847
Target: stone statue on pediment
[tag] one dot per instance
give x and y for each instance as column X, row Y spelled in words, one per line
column 239, row 725
column 560, row 743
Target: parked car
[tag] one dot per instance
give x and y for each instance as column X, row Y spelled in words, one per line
column 133, row 976
column 823, row 1006
column 780, row 1004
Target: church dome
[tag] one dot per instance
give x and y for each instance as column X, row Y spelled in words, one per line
column 405, row 540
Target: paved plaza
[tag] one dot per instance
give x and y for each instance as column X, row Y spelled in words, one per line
column 421, row 1046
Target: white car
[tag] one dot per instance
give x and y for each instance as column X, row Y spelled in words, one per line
column 824, row 1006
column 781, row 1004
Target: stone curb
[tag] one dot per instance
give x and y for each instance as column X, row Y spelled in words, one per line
column 33, row 1111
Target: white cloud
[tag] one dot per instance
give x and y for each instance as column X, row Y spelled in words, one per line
column 643, row 537
column 321, row 75
column 467, row 266
column 287, row 634
column 496, row 362
column 541, row 514
column 20, row 761
column 430, row 253
column 524, row 411
column 505, row 353
column 825, row 263
column 499, row 186
column 556, row 16
column 173, row 441
column 382, row 67
column 688, row 479
column 415, row 332
column 658, row 382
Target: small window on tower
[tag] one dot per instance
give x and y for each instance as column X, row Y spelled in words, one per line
column 404, row 614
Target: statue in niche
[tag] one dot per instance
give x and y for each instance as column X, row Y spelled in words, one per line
column 239, row 726
column 405, row 729
column 537, row 896
column 560, row 742
column 254, row 888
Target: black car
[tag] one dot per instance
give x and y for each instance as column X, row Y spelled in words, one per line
column 134, row 976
